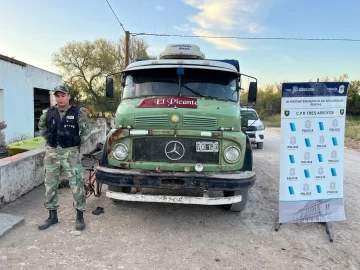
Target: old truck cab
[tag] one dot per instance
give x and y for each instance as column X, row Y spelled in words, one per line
column 178, row 127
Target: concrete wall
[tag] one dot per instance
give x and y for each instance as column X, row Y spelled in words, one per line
column 18, row 83
column 21, row 173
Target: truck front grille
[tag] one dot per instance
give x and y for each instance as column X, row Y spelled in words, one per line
column 199, row 121
column 161, row 120
column 154, row 149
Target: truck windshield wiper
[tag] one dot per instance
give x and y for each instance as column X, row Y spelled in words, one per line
column 219, row 98
column 205, row 96
column 194, row 92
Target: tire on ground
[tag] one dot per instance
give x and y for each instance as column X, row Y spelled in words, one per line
column 237, row 207
column 118, row 189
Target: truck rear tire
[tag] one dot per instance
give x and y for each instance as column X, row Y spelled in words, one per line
column 260, row 145
column 237, row 207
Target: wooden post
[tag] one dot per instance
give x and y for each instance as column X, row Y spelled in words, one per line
column 127, row 38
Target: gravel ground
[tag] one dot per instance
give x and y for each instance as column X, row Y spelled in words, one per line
column 134, row 235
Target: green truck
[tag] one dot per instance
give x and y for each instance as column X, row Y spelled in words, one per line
column 178, row 127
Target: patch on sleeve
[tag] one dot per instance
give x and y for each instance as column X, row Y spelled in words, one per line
column 84, row 125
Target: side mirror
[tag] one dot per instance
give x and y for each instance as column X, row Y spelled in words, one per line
column 252, row 92
column 109, row 87
column 262, row 118
column 122, row 80
column 244, row 121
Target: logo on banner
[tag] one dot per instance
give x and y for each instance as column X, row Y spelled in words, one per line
column 292, row 127
column 333, row 157
column 332, row 185
column 332, row 188
column 306, row 191
column 320, row 173
column 335, row 124
column 321, row 142
column 333, row 172
column 292, row 158
column 292, row 176
column 291, row 190
column 295, row 89
column 287, row 113
column 307, row 126
column 318, row 188
column 335, row 142
column 307, row 142
column 307, row 173
column 320, row 158
column 321, row 125
column 306, row 158
column 341, row 89
column 342, row 111
column 293, row 143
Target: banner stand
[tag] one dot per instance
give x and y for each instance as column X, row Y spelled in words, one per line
column 328, row 228
column 312, row 153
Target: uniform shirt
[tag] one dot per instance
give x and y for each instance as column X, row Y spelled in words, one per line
column 82, row 122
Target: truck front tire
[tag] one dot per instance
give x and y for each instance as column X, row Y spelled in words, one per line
column 118, row 189
column 237, row 207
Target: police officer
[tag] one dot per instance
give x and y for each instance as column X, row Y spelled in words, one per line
column 65, row 129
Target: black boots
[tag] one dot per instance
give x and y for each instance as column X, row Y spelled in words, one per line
column 80, row 223
column 53, row 219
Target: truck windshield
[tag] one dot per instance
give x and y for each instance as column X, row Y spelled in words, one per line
column 194, row 83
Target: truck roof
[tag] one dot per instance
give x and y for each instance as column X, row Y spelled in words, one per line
column 223, row 65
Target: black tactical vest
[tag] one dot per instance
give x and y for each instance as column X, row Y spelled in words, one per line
column 65, row 132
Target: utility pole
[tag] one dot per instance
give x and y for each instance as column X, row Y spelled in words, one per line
column 127, row 37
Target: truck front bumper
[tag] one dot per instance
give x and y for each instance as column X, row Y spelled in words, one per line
column 220, row 181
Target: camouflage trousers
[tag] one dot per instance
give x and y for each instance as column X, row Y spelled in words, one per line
column 66, row 161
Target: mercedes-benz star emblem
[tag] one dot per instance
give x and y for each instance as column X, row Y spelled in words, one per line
column 174, row 150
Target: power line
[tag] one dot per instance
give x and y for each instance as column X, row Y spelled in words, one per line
column 231, row 37
column 116, row 16
column 247, row 38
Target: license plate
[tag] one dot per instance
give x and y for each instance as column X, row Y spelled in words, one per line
column 207, row 146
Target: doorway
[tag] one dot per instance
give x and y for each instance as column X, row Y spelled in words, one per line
column 41, row 102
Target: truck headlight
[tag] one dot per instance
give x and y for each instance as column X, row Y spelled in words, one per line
column 120, row 151
column 232, row 154
column 261, row 127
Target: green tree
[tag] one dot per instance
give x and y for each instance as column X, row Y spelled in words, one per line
column 353, row 99
column 84, row 65
column 268, row 99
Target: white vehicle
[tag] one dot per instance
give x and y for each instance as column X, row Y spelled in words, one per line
column 255, row 129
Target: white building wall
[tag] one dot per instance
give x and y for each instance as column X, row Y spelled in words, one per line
column 18, row 85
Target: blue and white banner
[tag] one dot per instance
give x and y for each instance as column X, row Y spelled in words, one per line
column 312, row 152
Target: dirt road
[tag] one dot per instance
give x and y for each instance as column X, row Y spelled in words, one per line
column 167, row 236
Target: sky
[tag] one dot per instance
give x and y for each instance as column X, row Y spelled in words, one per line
column 31, row 31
